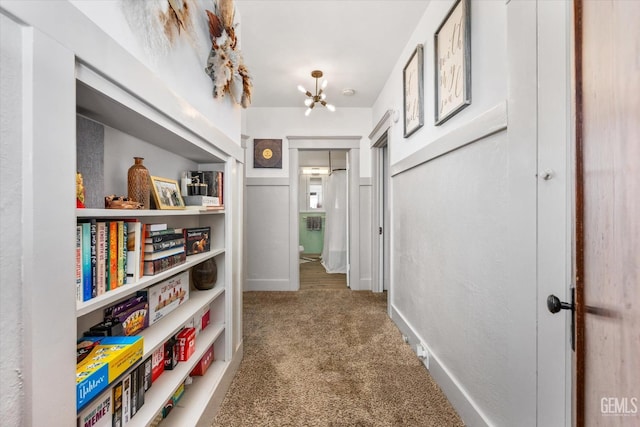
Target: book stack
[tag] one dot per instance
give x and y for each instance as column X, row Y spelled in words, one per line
column 163, row 248
column 214, row 199
column 105, row 256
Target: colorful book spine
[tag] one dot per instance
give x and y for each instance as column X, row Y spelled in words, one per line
column 113, row 255
column 102, row 254
column 141, row 260
column 164, row 238
column 162, row 232
column 161, row 246
column 79, row 263
column 86, row 261
column 125, row 243
column 158, row 266
column 93, row 229
column 117, row 405
column 120, row 253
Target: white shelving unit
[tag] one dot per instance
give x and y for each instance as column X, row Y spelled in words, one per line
column 66, row 66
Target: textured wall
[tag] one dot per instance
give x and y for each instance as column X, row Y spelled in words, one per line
column 10, row 214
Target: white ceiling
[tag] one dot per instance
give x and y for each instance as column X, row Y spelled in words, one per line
column 355, row 43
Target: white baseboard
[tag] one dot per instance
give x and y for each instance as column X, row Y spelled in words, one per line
column 462, row 403
column 267, row 285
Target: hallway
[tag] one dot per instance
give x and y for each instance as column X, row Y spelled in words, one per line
column 328, row 357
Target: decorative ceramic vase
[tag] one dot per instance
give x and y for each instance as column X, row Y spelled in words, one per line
column 139, row 184
column 205, row 274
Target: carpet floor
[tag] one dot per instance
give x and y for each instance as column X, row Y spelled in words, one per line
column 328, row 357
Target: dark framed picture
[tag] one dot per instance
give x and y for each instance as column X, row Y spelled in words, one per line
column 413, row 92
column 452, row 46
column 166, row 193
column 267, row 153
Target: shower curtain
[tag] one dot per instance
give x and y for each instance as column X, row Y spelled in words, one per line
column 334, row 252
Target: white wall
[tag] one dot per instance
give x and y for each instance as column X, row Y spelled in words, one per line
column 181, row 68
column 11, row 324
column 278, row 123
column 463, row 237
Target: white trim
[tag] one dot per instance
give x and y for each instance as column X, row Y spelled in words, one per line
column 324, row 143
column 383, row 125
column 465, row 407
column 491, row 121
column 294, row 231
column 268, row 284
column 365, row 181
column 268, row 182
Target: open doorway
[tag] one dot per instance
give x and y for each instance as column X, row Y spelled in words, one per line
column 350, row 147
column 323, row 218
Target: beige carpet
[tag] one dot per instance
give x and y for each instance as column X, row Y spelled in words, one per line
column 328, row 357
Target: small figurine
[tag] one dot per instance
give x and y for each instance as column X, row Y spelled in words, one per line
column 120, row 202
column 79, row 191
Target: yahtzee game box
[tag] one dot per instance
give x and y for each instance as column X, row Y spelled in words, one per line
column 109, row 358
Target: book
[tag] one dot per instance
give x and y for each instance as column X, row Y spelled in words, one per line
column 156, row 227
column 161, row 246
column 125, row 243
column 86, row 261
column 151, row 233
column 205, row 208
column 113, row 255
column 126, row 399
column 142, row 240
column 79, row 263
column 198, row 240
column 120, row 253
column 117, row 405
column 93, row 229
column 158, row 266
column 152, row 256
column 102, row 258
column 164, row 237
column 134, row 247
column 200, row 201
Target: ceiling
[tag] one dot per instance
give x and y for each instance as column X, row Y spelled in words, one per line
column 355, row 43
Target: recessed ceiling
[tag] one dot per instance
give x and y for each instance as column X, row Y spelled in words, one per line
column 355, row 43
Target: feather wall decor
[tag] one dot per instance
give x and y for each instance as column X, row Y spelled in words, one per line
column 160, row 22
column 225, row 64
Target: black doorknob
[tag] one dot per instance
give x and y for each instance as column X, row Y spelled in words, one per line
column 555, row 305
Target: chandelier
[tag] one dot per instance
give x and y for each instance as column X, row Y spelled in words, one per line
column 319, row 97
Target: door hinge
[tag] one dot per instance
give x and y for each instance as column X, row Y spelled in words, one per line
column 380, row 230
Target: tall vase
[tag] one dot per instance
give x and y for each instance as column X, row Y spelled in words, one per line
column 138, row 183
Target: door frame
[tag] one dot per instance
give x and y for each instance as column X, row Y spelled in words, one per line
column 350, row 144
column 381, row 214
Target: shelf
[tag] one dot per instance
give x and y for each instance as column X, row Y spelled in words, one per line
column 164, row 387
column 158, row 333
column 140, row 213
column 197, row 397
column 109, row 297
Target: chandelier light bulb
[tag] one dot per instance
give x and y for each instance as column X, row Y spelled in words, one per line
column 324, row 84
column 308, row 102
column 323, row 96
column 331, row 108
column 306, row 113
column 302, row 89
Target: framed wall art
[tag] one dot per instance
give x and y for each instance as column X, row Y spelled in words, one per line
column 166, row 193
column 452, row 46
column 413, row 92
column 267, row 153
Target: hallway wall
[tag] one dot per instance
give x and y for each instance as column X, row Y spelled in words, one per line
column 463, row 243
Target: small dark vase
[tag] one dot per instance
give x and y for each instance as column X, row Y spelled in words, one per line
column 205, row 274
column 138, row 183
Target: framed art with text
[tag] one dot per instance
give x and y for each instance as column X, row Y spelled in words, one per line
column 452, row 46
column 413, row 92
column 267, row 153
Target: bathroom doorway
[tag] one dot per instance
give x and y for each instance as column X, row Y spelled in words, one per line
column 299, row 189
column 323, row 218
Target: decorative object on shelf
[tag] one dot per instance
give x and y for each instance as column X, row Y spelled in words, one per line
column 453, row 62
column 198, row 240
column 138, row 184
column 120, row 202
column 267, row 153
column 159, row 23
column 319, row 97
column 166, row 193
column 79, row 191
column 225, row 64
column 413, row 92
column 204, row 275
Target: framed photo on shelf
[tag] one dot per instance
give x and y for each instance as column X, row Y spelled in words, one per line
column 267, row 153
column 166, row 193
column 413, row 92
column 452, row 46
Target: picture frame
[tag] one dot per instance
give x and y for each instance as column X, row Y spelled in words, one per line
column 166, row 193
column 413, row 91
column 452, row 53
column 267, row 153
